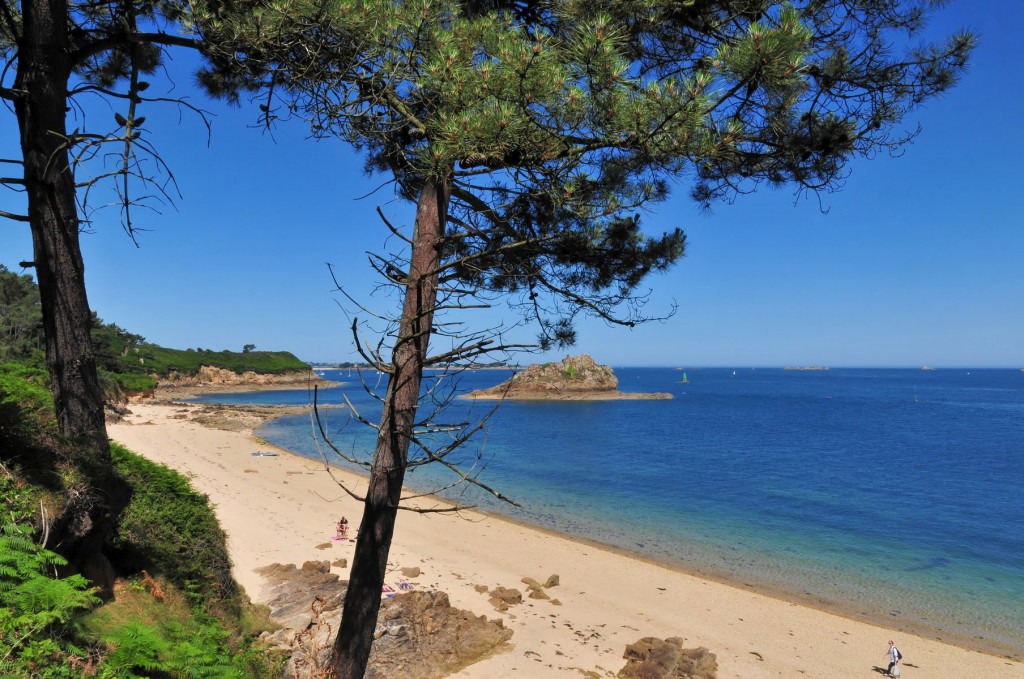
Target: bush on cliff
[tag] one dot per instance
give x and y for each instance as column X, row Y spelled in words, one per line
column 152, row 359
column 177, row 612
column 169, row 528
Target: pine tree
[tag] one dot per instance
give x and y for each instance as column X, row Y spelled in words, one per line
column 530, row 133
column 55, row 53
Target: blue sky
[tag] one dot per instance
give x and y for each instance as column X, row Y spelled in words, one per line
column 919, row 260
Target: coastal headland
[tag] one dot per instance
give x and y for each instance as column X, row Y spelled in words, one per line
column 280, row 508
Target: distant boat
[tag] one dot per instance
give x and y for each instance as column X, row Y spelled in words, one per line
column 734, row 373
column 684, row 380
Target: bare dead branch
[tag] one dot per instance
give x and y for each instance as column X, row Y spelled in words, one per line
column 13, row 216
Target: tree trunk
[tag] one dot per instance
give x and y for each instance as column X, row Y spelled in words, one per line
column 40, row 105
column 380, row 509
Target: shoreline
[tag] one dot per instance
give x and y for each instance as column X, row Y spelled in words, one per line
column 834, row 608
column 819, row 630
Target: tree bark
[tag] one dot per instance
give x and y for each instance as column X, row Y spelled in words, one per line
column 380, row 508
column 40, row 106
column 41, row 100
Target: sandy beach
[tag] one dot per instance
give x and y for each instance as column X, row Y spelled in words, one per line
column 283, row 508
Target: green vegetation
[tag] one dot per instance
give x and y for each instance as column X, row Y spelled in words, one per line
column 152, row 359
column 25, row 404
column 177, row 611
column 171, row 529
column 21, row 321
column 36, row 610
column 126, row 363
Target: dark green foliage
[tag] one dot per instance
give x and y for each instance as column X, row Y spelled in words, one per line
column 152, row 359
column 42, row 633
column 21, row 320
column 125, row 362
column 110, row 343
column 26, row 405
column 117, row 385
column 550, row 125
column 171, row 529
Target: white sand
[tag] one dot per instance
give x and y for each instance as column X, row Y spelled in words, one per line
column 284, row 509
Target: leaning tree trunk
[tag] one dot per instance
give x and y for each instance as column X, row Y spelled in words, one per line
column 41, row 100
column 380, row 509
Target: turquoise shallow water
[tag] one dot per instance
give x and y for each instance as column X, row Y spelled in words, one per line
column 889, row 494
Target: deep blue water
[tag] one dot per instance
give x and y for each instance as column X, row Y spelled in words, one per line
column 893, row 494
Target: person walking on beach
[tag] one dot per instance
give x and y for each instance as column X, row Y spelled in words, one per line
column 894, row 660
column 343, row 528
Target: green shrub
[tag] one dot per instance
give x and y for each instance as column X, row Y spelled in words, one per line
column 117, row 386
column 26, row 405
column 46, row 631
column 156, row 360
column 171, row 529
column 134, row 383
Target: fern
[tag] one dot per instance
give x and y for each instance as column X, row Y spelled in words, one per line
column 34, row 608
column 195, row 662
column 171, row 649
column 136, row 647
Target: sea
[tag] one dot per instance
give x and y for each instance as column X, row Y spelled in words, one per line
column 889, row 495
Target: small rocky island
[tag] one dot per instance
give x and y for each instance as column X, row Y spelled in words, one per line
column 574, row 378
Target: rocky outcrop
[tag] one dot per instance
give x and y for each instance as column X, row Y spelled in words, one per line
column 418, row 634
column 574, row 378
column 210, row 380
column 652, row 658
column 211, row 376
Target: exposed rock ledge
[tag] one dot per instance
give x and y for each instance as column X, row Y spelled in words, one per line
column 574, row 378
column 211, row 380
column 176, row 388
column 418, row 634
column 210, row 376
